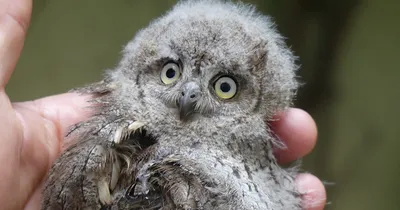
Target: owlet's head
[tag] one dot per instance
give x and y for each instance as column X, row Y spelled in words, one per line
column 206, row 60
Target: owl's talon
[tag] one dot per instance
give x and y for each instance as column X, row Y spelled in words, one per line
column 112, row 86
column 116, row 169
column 104, row 192
column 122, row 132
column 135, row 126
column 118, row 136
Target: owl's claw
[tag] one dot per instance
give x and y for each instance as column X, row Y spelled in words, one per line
column 119, row 135
column 123, row 132
column 137, row 125
column 104, row 192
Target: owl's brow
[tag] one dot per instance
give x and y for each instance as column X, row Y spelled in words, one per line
column 197, row 63
column 229, row 68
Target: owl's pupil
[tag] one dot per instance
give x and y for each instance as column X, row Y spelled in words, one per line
column 225, row 87
column 170, row 73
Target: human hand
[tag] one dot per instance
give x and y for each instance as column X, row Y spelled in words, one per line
column 32, row 133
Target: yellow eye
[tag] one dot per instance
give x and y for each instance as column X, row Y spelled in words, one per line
column 170, row 73
column 225, row 87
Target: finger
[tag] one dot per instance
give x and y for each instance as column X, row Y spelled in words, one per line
column 43, row 123
column 36, row 153
column 298, row 131
column 14, row 21
column 314, row 195
column 34, row 202
column 62, row 111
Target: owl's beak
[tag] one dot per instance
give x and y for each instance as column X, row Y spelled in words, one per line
column 189, row 97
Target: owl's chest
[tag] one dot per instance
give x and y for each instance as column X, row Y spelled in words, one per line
column 228, row 166
column 221, row 173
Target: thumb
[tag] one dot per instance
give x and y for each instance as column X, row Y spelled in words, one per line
column 14, row 21
column 44, row 123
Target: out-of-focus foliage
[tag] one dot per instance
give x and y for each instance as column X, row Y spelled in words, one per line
column 349, row 51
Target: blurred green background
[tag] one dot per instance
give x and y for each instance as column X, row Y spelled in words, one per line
column 349, row 52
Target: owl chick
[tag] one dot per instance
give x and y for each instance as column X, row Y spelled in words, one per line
column 180, row 123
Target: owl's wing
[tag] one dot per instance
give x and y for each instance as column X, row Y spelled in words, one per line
column 86, row 174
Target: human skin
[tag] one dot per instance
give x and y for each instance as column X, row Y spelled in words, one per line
column 32, row 132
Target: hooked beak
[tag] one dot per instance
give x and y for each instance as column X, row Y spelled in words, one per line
column 187, row 102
